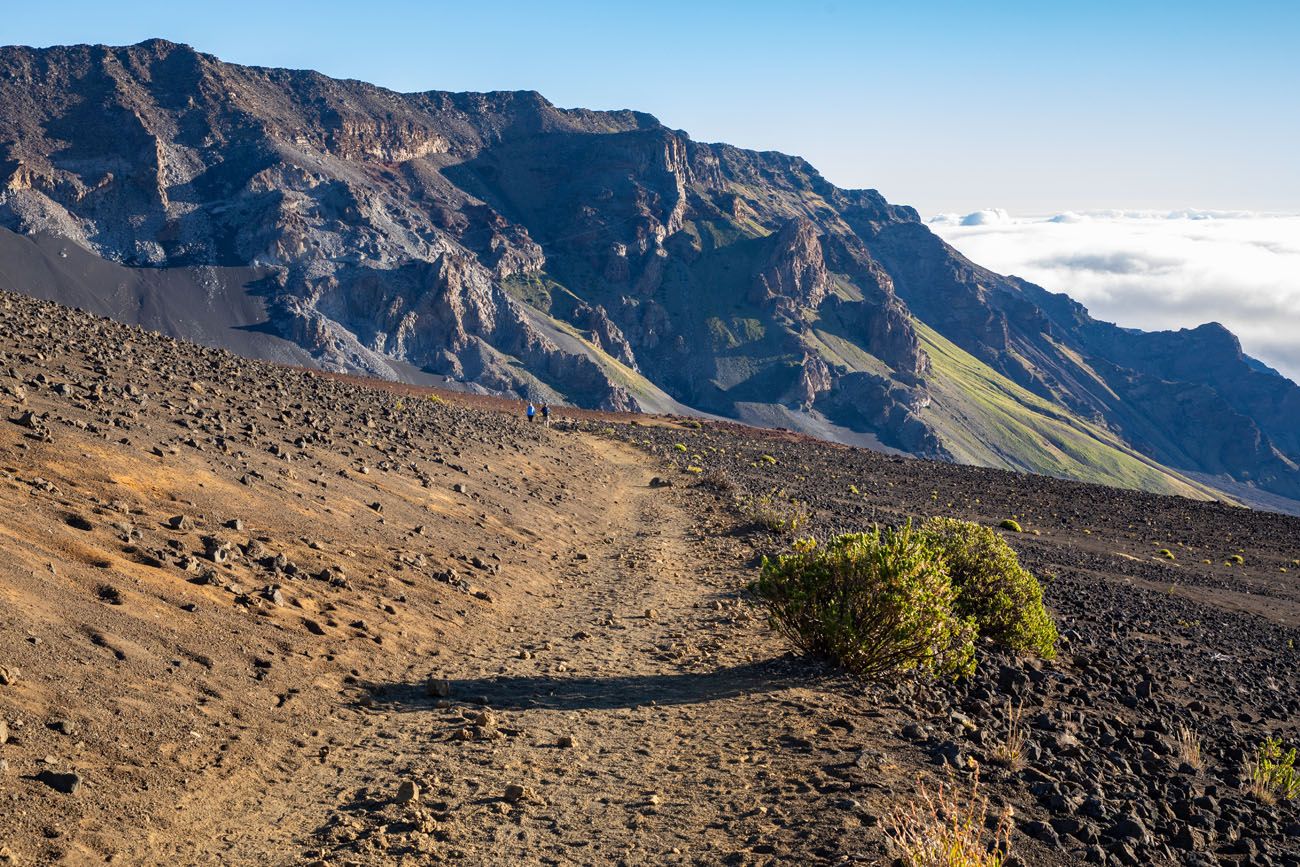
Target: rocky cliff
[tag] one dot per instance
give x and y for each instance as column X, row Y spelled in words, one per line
column 494, row 241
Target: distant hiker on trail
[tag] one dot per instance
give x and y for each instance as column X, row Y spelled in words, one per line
column 532, row 411
column 546, row 414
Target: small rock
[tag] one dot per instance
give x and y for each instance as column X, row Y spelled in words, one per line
column 438, row 687
column 68, row 784
column 4, row 732
column 516, row 793
column 407, row 792
column 459, row 488
column 179, row 522
column 65, row 727
column 8, row 676
column 216, row 551
column 28, row 420
column 564, row 742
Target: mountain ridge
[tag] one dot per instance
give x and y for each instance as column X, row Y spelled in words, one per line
column 600, row 258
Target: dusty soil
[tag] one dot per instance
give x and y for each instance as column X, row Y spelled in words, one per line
column 392, row 629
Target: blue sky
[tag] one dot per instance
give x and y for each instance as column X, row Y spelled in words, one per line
column 1033, row 107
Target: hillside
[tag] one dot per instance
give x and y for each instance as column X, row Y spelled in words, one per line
column 255, row 615
column 497, row 243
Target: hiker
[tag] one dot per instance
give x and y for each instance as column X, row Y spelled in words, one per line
column 532, row 411
column 546, row 414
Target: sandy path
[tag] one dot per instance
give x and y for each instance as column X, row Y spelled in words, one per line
column 630, row 659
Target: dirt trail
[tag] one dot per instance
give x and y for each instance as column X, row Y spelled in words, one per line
column 623, row 700
column 617, row 705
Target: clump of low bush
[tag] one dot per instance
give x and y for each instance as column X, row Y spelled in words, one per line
column 1003, row 598
column 874, row 603
column 774, row 511
column 1273, row 775
column 1011, row 525
column 718, row 481
column 907, row 598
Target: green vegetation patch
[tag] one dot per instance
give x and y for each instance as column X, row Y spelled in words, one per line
column 906, row 599
column 1003, row 598
column 873, row 603
column 986, row 419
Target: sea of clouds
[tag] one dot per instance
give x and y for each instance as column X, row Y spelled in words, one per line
column 1155, row 270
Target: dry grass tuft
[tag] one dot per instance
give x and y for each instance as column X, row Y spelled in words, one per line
column 1189, row 746
column 1010, row 751
column 946, row 828
column 776, row 512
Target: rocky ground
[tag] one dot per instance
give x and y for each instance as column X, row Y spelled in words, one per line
column 260, row 616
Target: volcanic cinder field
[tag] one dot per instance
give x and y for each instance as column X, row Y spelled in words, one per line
column 256, row 615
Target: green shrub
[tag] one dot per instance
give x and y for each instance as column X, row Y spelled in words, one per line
column 1235, row 560
column 1273, row 776
column 874, row 603
column 681, row 447
column 991, row 586
column 1167, row 554
column 1013, row 526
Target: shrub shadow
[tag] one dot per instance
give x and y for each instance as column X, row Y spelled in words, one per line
column 560, row 692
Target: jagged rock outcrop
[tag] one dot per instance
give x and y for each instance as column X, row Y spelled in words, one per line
column 794, row 278
column 491, row 240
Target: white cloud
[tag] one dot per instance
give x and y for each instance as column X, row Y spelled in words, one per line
column 1156, row 270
